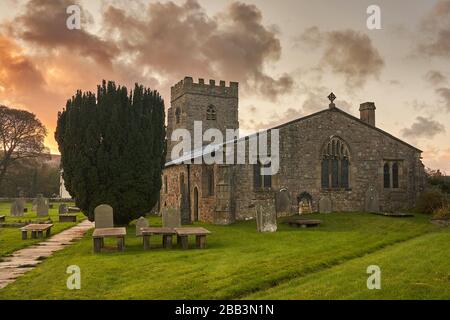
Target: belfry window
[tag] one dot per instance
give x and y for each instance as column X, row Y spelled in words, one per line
column 211, row 113
column 335, row 164
column 177, row 115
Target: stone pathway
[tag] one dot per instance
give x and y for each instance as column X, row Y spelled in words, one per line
column 24, row 260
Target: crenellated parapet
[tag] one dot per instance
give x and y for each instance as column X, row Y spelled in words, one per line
column 187, row 85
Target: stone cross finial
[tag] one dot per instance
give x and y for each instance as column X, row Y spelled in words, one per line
column 332, row 97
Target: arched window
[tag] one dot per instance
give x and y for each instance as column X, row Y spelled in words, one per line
column 335, row 164
column 208, row 181
column 177, row 115
column 387, row 175
column 211, row 113
column 395, row 175
column 261, row 181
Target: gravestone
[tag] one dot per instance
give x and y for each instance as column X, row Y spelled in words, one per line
column 41, row 206
column 34, row 205
column 103, row 216
column 266, row 216
column 63, row 208
column 372, row 202
column 282, row 203
column 325, row 205
column 17, row 207
column 141, row 223
column 171, row 217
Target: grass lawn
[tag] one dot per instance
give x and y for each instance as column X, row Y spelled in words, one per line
column 325, row 262
column 10, row 237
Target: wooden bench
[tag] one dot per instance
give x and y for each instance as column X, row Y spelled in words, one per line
column 2, row 218
column 199, row 233
column 100, row 234
column 304, row 223
column 67, row 217
column 166, row 233
column 36, row 229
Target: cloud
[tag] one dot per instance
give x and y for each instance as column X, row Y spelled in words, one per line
column 348, row 53
column 444, row 93
column 43, row 23
column 436, row 28
column 177, row 40
column 423, row 128
column 435, row 77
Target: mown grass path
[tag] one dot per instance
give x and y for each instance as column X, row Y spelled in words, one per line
column 26, row 259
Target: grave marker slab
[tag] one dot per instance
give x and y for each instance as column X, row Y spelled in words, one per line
column 104, row 216
column 171, row 217
column 266, row 216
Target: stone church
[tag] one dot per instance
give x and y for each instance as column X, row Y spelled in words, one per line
column 328, row 161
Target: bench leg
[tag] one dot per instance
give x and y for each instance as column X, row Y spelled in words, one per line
column 102, row 242
column 146, row 240
column 33, row 234
column 24, row 235
column 97, row 245
column 201, row 241
column 184, row 242
column 48, row 232
column 121, row 243
column 167, row 241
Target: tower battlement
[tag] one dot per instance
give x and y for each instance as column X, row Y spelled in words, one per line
column 187, row 85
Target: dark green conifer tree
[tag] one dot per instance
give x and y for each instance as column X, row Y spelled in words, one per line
column 112, row 149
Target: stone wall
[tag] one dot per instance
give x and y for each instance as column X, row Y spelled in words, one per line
column 193, row 99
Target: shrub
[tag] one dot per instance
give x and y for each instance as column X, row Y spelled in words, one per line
column 430, row 200
column 442, row 213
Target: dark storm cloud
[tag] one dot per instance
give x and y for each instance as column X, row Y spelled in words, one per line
column 178, row 40
column 436, row 28
column 43, row 23
column 423, row 128
column 346, row 52
column 435, row 77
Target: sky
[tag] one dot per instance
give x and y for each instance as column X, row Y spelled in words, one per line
column 287, row 56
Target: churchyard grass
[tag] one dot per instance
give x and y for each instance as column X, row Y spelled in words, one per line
column 240, row 263
column 10, row 237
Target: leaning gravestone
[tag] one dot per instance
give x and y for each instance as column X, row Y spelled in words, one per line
column 372, row 202
column 171, row 217
column 141, row 223
column 104, row 216
column 325, row 205
column 266, row 216
column 42, row 206
column 17, row 208
column 63, row 209
column 282, row 203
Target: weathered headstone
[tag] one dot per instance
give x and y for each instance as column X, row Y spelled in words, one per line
column 73, row 209
column 325, row 205
column 142, row 222
column 41, row 206
column 171, row 217
column 17, row 207
column 372, row 202
column 34, row 205
column 282, row 203
column 103, row 216
column 63, row 208
column 266, row 216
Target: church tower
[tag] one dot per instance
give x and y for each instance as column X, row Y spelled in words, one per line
column 216, row 106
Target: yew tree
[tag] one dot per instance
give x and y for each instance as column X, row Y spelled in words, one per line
column 112, row 147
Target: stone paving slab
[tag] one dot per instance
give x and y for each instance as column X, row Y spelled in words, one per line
column 24, row 260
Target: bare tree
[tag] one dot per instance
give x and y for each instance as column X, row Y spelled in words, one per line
column 21, row 137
